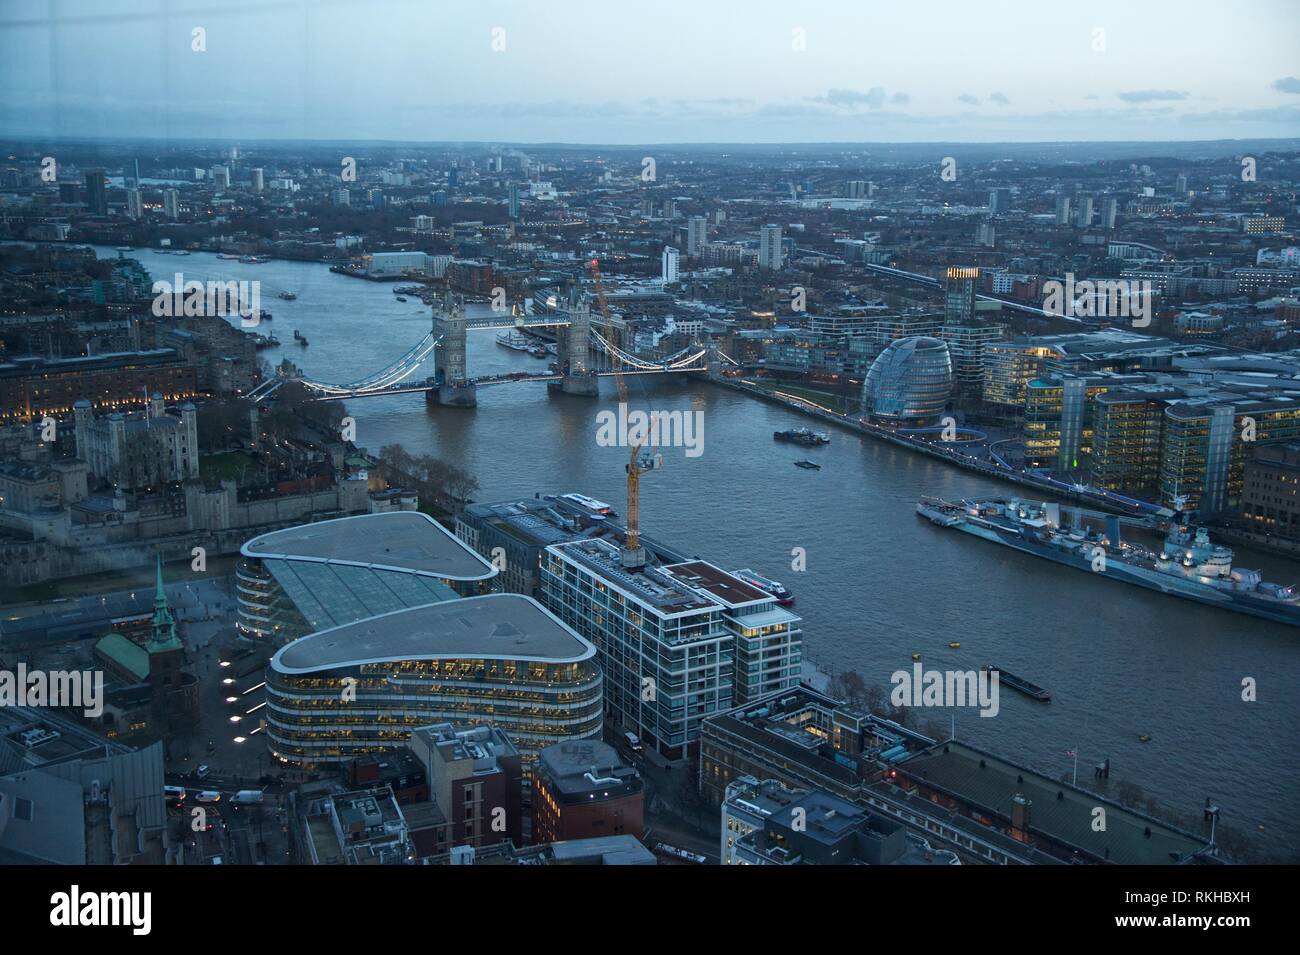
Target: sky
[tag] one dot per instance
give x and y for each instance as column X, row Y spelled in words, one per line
column 651, row 71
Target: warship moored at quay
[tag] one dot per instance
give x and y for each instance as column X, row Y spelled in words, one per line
column 1189, row 565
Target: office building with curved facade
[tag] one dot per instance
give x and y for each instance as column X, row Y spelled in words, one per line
column 313, row 577
column 498, row 659
column 909, row 384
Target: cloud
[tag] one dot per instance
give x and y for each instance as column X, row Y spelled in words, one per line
column 1151, row 96
column 968, row 99
column 873, row 98
column 1000, row 98
column 1287, row 84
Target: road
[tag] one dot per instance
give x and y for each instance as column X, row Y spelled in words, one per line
column 674, row 811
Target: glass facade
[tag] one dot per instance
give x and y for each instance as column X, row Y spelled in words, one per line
column 1200, row 461
column 281, row 600
column 1126, row 443
column 909, row 383
column 769, row 657
column 336, row 714
column 666, row 668
column 1008, row 369
column 1059, row 427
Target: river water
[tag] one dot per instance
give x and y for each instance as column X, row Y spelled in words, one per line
column 880, row 584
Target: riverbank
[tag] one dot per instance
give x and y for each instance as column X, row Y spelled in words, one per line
column 956, row 457
column 1270, row 544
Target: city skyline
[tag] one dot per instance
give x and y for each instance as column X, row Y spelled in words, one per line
column 668, row 435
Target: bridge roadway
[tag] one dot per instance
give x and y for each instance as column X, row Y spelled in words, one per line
column 504, row 379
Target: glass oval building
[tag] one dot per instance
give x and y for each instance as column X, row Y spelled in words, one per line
column 311, row 577
column 909, row 383
column 500, row 659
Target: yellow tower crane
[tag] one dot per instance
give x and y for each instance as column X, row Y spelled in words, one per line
column 633, row 552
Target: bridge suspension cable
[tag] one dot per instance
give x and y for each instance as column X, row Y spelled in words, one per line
column 399, row 370
column 674, row 360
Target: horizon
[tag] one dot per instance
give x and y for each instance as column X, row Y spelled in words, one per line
column 724, row 74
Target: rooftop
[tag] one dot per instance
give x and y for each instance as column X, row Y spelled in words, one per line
column 586, row 767
column 727, row 589
column 648, row 586
column 406, row 541
column 493, row 626
column 1058, row 811
column 482, row 745
column 125, row 652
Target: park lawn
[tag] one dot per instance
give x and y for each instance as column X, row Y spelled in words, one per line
column 224, row 466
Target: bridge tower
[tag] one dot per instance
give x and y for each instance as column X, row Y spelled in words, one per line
column 579, row 378
column 455, row 388
column 712, row 360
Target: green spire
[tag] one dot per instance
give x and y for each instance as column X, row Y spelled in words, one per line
column 160, row 595
column 163, row 636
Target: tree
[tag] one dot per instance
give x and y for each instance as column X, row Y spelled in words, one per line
column 849, row 686
column 460, row 483
column 395, row 462
column 221, row 422
column 436, row 481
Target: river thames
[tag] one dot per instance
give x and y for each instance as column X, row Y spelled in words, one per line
column 880, row 584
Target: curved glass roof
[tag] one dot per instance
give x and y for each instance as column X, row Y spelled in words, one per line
column 402, row 541
column 493, row 626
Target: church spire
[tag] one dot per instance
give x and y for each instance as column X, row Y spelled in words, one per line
column 163, row 630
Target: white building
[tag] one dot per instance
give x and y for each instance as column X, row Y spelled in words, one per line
column 769, row 247
column 697, row 234
column 394, row 263
column 670, row 260
column 1083, row 218
column 1062, row 210
column 1109, row 207
column 677, row 642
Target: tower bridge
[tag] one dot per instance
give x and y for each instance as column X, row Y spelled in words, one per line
column 583, row 357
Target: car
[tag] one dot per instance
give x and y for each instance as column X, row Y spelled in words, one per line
column 633, row 743
column 202, row 771
column 174, row 792
column 208, row 795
